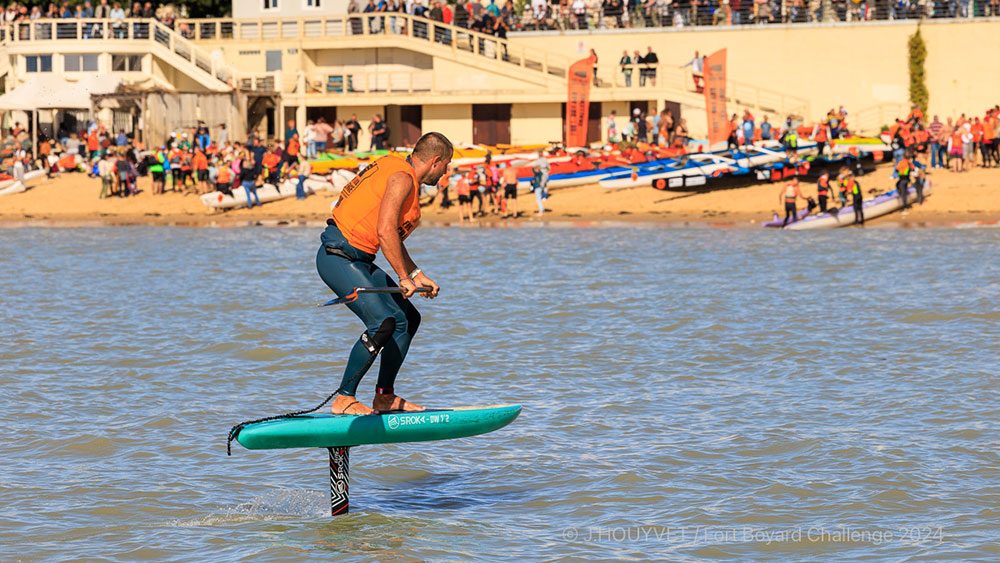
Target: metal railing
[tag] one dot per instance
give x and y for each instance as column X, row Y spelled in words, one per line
column 361, row 26
column 342, row 82
column 149, row 31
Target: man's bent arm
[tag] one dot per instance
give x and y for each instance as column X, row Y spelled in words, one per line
column 399, row 187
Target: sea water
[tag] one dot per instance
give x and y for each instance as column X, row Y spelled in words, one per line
column 688, row 394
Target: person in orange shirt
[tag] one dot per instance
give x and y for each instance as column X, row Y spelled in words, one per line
column 200, row 164
column 93, row 144
column 271, row 164
column 989, row 139
column 292, row 150
column 376, row 211
column 978, row 135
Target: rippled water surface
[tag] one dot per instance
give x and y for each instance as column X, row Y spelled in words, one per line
column 688, row 394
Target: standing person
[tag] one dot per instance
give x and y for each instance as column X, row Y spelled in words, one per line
column 464, row 193
column 354, row 127
column 790, row 193
column 989, row 138
column 697, row 64
column 842, row 182
column 640, row 124
column 293, row 149
column 612, row 128
column 379, row 132
column 934, row 130
column 540, row 181
column 748, row 128
column 955, row 150
column 509, row 175
column 290, row 130
column 156, row 171
column 257, row 152
column 377, row 211
column 919, row 177
column 475, row 190
column 626, row 66
column 322, row 132
column 902, row 175
column 732, row 139
column 248, row 178
column 489, row 183
column 823, row 190
column 968, row 152
column 200, row 165
column 202, row 137
column 105, row 168
column 854, row 188
column 821, row 135
column 651, row 61
column 765, row 129
column 224, row 179
column 309, row 138
column 304, row 170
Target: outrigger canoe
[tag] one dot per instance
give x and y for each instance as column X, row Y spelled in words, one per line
column 878, row 206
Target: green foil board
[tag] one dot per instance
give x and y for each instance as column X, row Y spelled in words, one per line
column 329, row 430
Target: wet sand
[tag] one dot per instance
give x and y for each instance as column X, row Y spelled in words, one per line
column 72, row 199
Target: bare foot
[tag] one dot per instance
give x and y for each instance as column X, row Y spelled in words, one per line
column 345, row 404
column 388, row 403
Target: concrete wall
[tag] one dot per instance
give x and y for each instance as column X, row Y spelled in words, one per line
column 452, row 120
column 533, row 123
column 859, row 66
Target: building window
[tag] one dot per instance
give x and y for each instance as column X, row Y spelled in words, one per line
column 39, row 63
column 77, row 63
column 313, row 3
column 126, row 63
column 272, row 61
column 270, row 5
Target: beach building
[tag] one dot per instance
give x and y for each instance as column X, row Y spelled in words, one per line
column 276, row 60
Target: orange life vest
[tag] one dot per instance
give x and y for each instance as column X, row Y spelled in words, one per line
column 790, row 193
column 356, row 213
column 823, row 186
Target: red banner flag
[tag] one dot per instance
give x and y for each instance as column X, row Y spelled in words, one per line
column 715, row 97
column 581, row 76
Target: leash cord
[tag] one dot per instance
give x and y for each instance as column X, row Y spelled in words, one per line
column 234, row 432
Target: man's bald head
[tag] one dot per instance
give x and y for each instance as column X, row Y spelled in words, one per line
column 431, row 156
column 433, row 144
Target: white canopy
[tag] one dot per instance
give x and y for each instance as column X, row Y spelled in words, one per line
column 45, row 90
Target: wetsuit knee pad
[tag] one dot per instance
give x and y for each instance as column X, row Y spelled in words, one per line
column 377, row 341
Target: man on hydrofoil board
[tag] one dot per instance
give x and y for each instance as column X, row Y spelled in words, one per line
column 377, row 211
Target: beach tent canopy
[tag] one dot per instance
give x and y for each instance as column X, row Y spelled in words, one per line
column 49, row 91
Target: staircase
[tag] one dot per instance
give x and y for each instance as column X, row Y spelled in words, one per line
column 119, row 36
column 537, row 69
column 477, row 50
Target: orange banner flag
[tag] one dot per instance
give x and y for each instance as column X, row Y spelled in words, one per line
column 581, row 76
column 715, row 97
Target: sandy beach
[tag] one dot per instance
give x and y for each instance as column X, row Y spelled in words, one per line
column 72, row 199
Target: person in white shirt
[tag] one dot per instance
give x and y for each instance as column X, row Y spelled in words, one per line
column 309, row 139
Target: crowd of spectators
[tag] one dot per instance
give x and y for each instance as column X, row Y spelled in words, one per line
column 530, row 15
column 534, row 15
column 191, row 160
column 98, row 9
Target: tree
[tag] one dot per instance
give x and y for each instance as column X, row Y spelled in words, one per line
column 918, row 84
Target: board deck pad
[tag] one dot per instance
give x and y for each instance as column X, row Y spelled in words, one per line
column 333, row 430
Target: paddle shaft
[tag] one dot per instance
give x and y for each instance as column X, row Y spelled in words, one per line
column 353, row 296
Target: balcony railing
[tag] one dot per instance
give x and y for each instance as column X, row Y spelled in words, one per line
column 360, row 26
column 146, row 30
